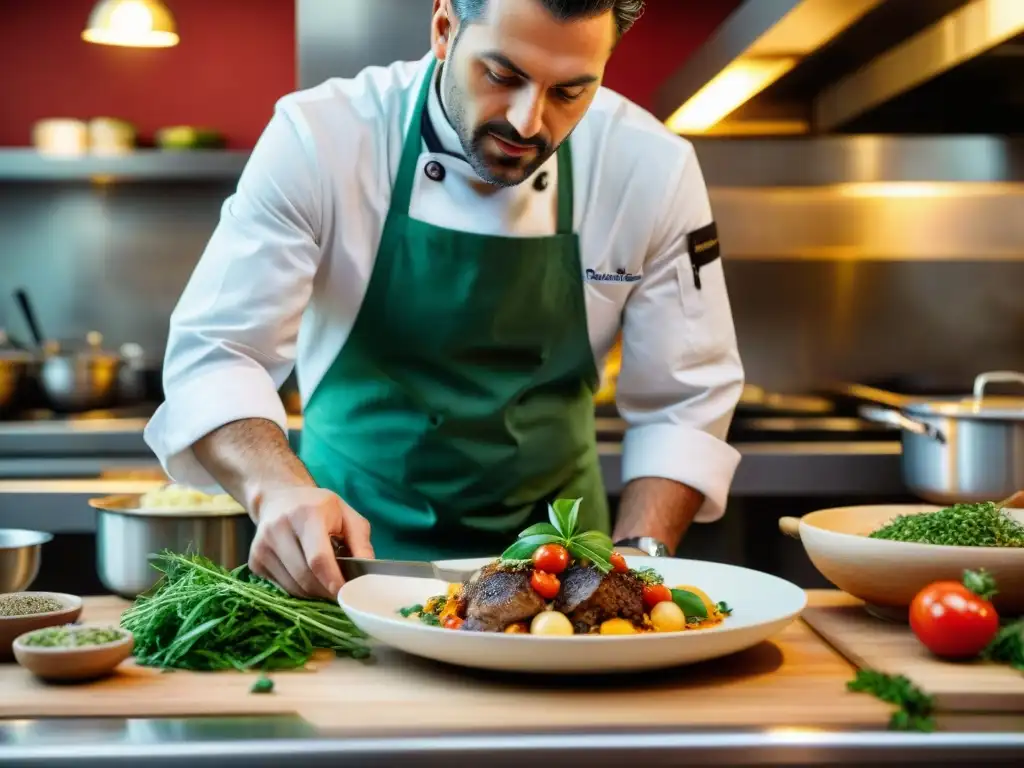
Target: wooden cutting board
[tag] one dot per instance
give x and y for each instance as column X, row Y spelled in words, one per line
column 872, row 643
column 795, row 679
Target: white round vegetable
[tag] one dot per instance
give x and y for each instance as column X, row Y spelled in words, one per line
column 666, row 616
column 550, row 623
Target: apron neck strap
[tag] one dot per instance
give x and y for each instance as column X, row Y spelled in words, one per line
column 402, row 194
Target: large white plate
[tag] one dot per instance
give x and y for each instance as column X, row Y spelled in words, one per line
column 762, row 605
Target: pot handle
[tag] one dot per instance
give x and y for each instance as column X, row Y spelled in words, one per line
column 898, row 419
column 992, row 377
column 790, row 526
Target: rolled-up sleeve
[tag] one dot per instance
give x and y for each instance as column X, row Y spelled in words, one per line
column 681, row 375
column 232, row 337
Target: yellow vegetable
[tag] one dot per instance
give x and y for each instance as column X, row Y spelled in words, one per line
column 454, row 589
column 519, row 628
column 617, row 627
column 550, row 623
column 667, row 617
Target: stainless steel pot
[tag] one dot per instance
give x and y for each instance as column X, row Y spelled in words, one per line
column 21, row 554
column 78, row 377
column 127, row 538
column 16, row 367
column 961, row 449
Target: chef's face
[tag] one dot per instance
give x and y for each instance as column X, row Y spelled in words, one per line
column 516, row 81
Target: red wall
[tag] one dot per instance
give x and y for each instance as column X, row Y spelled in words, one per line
column 236, row 58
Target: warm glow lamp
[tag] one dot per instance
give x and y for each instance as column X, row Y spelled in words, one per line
column 132, row 23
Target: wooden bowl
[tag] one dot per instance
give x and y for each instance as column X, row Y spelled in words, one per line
column 12, row 626
column 888, row 574
column 67, row 664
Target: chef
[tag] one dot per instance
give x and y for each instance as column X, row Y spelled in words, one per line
column 444, row 250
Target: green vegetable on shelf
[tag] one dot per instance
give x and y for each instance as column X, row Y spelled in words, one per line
column 201, row 616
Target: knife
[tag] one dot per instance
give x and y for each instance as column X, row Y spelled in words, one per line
column 354, row 567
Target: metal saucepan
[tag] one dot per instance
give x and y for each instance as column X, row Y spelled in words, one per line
column 78, row 375
column 127, row 538
column 961, row 449
column 17, row 367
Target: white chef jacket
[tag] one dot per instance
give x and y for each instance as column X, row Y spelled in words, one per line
column 283, row 276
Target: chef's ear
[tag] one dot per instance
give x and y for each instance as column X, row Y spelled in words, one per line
column 441, row 29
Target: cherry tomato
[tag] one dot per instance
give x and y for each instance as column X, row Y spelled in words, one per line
column 551, row 558
column 952, row 621
column 656, row 593
column 545, row 584
column 452, row 622
column 618, row 563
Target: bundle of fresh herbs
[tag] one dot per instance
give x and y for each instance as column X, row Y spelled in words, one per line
column 201, row 616
column 962, row 525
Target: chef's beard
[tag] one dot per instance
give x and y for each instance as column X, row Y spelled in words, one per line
column 472, row 141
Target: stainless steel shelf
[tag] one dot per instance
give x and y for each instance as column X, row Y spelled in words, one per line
column 149, row 165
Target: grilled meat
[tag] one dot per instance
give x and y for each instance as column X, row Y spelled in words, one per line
column 496, row 598
column 589, row 597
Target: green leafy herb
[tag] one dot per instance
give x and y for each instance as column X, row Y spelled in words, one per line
column 407, row 612
column 981, row 583
column 594, row 547
column 693, row 607
column 263, row 684
column 962, row 525
column 648, row 576
column 915, row 707
column 430, row 619
column 201, row 616
column 1007, row 647
column 723, row 608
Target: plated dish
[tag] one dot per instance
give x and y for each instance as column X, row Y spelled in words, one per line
column 582, row 610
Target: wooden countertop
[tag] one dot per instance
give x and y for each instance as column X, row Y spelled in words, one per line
column 795, row 679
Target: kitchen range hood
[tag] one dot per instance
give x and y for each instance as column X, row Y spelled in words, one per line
column 798, row 67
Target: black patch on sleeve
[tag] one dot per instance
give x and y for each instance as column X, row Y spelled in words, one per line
column 704, row 248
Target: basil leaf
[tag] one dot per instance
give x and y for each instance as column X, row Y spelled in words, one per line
column 693, row 606
column 601, row 542
column 568, row 511
column 540, row 529
column 580, row 550
column 555, row 520
column 523, row 548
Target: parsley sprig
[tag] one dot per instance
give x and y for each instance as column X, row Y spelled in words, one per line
column 562, row 528
column 915, row 708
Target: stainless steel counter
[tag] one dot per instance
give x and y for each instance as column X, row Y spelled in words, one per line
column 256, row 742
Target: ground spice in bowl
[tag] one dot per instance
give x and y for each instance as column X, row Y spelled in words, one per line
column 27, row 604
column 73, row 637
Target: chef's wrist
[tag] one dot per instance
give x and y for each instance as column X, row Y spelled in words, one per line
column 649, row 546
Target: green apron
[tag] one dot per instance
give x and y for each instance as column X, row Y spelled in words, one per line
column 461, row 404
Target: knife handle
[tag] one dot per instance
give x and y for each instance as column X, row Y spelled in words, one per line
column 340, row 547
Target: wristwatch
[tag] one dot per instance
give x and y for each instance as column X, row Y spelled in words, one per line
column 645, row 545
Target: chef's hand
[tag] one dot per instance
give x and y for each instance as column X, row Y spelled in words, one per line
column 293, row 545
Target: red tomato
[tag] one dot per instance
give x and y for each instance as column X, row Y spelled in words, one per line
column 618, row 563
column 551, row 558
column 951, row 621
column 452, row 622
column 656, row 593
column 545, row 584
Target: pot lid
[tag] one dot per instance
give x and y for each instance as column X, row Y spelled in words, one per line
column 980, row 405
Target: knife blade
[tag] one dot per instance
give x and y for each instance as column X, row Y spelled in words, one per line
column 354, row 567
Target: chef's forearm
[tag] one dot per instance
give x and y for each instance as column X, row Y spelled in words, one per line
column 249, row 458
column 654, row 506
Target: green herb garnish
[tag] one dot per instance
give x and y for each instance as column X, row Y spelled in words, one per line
column 915, row 707
column 1007, row 647
column 263, row 684
column 692, row 606
column 407, row 612
column 201, row 616
column 962, row 525
column 73, row 637
column 561, row 528
column 723, row 608
column 648, row 576
column 430, row 619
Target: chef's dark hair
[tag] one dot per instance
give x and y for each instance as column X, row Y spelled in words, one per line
column 626, row 11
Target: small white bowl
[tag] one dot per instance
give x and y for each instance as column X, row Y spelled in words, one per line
column 87, row 662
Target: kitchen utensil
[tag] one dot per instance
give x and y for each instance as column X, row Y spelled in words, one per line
column 127, row 537
column 870, row 643
column 961, row 449
column 888, row 574
column 16, row 367
column 354, row 567
column 21, row 553
column 75, row 663
column 13, row 626
column 762, row 605
column 73, row 375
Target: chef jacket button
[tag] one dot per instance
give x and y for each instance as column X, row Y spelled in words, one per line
column 541, row 182
column 435, row 171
